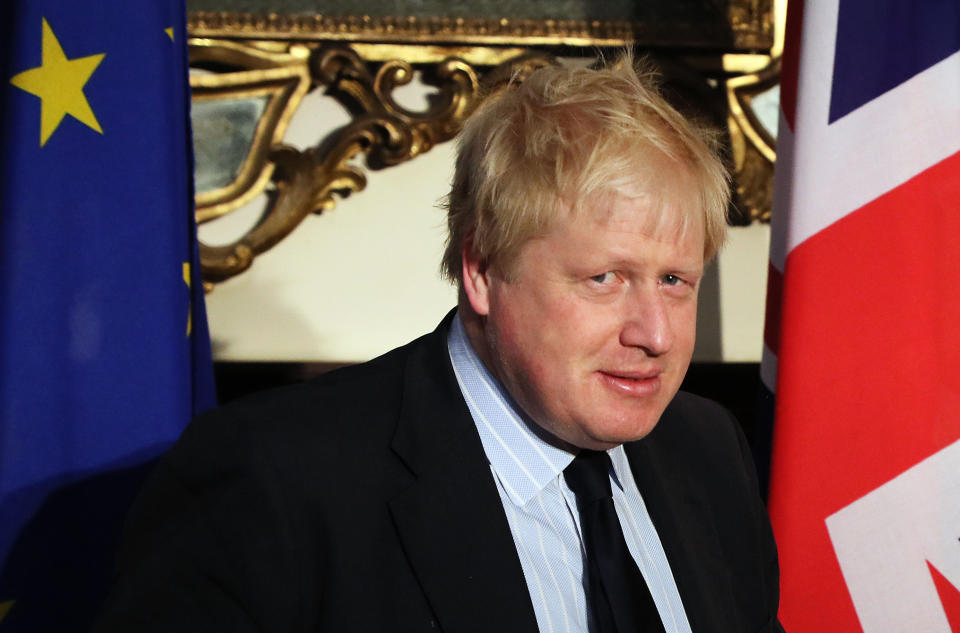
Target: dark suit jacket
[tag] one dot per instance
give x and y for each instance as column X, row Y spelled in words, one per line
column 363, row 501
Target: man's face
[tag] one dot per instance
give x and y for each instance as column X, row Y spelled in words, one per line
column 593, row 329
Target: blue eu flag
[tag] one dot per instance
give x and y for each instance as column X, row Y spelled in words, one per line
column 104, row 352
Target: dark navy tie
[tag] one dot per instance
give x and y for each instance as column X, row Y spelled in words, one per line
column 618, row 596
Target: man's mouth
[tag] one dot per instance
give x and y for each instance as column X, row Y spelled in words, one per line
column 632, row 383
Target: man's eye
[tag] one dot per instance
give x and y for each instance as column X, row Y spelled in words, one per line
column 672, row 280
column 603, row 278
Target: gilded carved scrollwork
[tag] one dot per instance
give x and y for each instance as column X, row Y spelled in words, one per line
column 249, row 81
column 753, row 99
column 400, row 134
column 753, row 137
column 382, row 131
column 271, row 77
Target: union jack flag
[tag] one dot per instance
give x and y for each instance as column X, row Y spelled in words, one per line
column 863, row 331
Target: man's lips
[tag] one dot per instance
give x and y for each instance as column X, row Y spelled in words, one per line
column 631, row 383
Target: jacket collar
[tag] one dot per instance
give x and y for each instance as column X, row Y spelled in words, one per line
column 686, row 531
column 451, row 521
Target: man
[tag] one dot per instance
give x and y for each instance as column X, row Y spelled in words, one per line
column 437, row 487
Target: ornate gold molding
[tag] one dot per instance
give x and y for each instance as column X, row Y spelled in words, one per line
column 753, row 144
column 748, row 28
column 302, row 182
column 755, row 78
column 272, row 61
column 279, row 75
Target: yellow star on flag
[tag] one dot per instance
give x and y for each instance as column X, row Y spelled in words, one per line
column 59, row 83
column 186, row 279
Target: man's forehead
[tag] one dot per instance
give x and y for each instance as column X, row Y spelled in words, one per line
column 662, row 210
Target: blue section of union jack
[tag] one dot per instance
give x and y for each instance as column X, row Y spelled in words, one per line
column 882, row 43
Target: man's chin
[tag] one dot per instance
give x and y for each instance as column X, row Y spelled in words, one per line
column 622, row 432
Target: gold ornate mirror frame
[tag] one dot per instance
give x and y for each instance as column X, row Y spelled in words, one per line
column 273, row 61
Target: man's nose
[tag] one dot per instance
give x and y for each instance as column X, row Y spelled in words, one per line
column 646, row 323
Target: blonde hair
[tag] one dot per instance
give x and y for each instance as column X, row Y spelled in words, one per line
column 563, row 136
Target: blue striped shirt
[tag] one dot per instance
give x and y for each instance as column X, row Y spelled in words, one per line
column 542, row 511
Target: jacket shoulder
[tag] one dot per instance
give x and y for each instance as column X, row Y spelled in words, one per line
column 354, row 404
column 694, row 425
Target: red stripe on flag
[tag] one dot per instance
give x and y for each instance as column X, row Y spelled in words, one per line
column 791, row 61
column 949, row 597
column 771, row 324
column 869, row 375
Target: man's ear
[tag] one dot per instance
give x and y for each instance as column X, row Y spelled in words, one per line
column 475, row 278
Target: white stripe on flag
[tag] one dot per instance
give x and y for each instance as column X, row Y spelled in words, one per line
column 840, row 167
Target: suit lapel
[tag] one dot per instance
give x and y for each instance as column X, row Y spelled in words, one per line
column 687, row 534
column 451, row 520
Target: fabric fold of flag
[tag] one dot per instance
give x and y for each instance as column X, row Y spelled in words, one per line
column 104, row 350
column 863, row 344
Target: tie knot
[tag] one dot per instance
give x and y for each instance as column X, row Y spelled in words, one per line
column 588, row 476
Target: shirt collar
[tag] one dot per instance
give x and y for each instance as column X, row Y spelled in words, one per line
column 524, row 462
